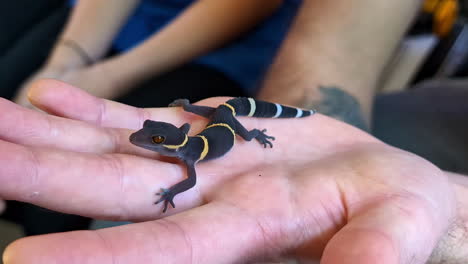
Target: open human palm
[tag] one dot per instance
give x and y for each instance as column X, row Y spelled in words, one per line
column 325, row 190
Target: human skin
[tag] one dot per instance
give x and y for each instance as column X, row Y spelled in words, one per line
column 200, row 28
column 332, row 60
column 343, row 44
column 325, row 190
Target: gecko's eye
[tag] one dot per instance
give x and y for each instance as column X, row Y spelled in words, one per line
column 158, row 139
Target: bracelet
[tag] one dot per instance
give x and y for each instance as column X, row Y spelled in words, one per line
column 78, row 49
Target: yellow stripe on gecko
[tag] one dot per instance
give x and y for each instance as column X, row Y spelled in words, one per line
column 206, row 148
column 230, row 107
column 223, row 125
column 177, row 146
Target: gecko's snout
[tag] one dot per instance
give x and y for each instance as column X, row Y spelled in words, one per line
column 142, row 139
column 134, row 138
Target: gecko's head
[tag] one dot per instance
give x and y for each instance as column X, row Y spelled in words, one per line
column 161, row 137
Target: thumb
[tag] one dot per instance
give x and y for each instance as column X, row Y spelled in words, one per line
column 402, row 230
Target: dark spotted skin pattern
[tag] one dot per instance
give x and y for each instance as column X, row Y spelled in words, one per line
column 214, row 141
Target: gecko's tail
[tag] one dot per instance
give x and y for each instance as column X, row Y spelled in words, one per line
column 250, row 107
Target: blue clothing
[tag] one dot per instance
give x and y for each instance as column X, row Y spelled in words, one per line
column 245, row 60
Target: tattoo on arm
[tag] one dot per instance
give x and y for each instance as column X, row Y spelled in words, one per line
column 339, row 104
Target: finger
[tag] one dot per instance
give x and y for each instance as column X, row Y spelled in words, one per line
column 184, row 238
column 109, row 186
column 32, row 128
column 116, row 187
column 398, row 230
column 291, row 138
column 28, row 127
column 62, row 99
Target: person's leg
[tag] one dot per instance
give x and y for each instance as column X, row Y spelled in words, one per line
column 334, row 54
column 30, row 52
column 17, row 17
column 193, row 82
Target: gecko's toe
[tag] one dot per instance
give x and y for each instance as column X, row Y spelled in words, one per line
column 179, row 102
column 163, row 192
column 166, row 197
column 264, row 139
column 266, row 143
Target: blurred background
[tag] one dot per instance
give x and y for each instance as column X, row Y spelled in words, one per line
column 422, row 107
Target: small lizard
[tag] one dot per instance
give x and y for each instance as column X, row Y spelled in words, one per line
column 214, row 141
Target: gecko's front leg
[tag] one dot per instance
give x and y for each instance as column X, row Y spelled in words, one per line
column 167, row 195
column 200, row 110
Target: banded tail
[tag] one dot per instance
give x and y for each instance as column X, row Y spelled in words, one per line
column 256, row 108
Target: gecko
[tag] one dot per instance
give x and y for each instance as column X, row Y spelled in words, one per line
column 214, row 141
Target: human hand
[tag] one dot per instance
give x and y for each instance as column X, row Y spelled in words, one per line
column 453, row 247
column 21, row 96
column 325, row 190
column 96, row 79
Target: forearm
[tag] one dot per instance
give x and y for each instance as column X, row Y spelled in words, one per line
column 344, row 44
column 202, row 27
column 92, row 25
column 453, row 247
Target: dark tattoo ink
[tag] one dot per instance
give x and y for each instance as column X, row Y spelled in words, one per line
column 340, row 105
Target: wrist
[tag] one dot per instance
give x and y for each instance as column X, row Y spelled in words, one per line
column 126, row 69
column 453, row 247
column 68, row 55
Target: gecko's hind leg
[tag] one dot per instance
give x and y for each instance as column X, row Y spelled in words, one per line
column 259, row 135
column 204, row 111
